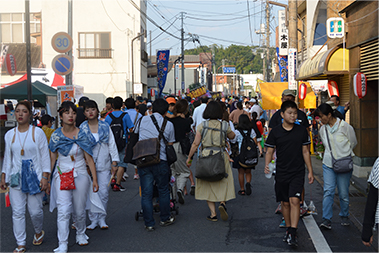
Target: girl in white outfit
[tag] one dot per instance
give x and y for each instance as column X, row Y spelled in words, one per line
column 74, row 150
column 104, row 152
column 26, row 168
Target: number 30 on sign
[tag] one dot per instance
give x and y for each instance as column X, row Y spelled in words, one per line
column 61, row 42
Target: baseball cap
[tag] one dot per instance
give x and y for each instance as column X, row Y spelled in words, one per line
column 288, row 92
column 82, row 100
column 331, row 104
column 149, row 104
column 253, row 100
column 171, row 100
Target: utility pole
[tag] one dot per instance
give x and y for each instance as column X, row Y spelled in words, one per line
column 138, row 36
column 292, row 24
column 28, row 53
column 150, row 42
column 69, row 29
column 182, row 33
column 214, row 67
column 267, row 40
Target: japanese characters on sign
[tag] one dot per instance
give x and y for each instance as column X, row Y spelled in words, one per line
column 283, row 66
column 283, row 33
column 292, row 85
column 162, row 67
column 197, row 92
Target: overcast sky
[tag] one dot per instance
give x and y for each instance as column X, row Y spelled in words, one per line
column 222, row 22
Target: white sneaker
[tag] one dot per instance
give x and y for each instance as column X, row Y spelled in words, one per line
column 136, row 177
column 103, row 225
column 61, row 249
column 92, row 226
column 125, row 176
column 82, row 239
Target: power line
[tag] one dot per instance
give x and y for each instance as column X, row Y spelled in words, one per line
column 223, row 40
column 152, row 21
column 162, row 32
column 227, row 19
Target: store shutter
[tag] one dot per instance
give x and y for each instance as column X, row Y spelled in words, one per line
column 370, row 60
column 344, row 88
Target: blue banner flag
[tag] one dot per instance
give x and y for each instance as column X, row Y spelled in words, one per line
column 162, row 66
column 283, row 66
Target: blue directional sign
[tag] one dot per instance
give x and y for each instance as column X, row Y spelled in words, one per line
column 62, row 64
column 229, row 69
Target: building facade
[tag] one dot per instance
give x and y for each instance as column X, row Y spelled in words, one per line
column 102, row 34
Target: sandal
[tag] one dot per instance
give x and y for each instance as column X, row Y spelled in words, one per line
column 39, row 240
column 18, row 250
column 223, row 213
column 241, row 192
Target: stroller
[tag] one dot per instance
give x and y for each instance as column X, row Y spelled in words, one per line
column 173, row 206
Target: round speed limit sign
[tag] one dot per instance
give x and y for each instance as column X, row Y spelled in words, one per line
column 61, row 42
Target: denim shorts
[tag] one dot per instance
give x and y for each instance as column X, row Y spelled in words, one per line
column 121, row 155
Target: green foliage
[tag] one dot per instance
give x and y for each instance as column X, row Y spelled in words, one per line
column 246, row 58
column 194, row 86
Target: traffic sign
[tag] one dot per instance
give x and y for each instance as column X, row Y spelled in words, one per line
column 61, row 42
column 229, row 69
column 62, row 64
column 335, row 28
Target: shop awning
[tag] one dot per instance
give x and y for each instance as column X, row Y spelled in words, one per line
column 335, row 61
column 272, row 96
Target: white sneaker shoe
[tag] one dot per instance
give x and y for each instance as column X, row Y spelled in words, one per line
column 92, row 226
column 125, row 176
column 136, row 177
column 61, row 249
column 103, row 225
column 82, row 239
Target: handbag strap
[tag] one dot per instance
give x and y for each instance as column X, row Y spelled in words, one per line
column 327, row 137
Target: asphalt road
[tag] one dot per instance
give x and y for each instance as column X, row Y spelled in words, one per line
column 252, row 225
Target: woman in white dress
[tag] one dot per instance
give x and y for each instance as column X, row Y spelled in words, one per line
column 69, row 196
column 26, row 168
column 105, row 155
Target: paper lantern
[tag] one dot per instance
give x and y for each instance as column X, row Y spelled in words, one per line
column 152, row 92
column 333, row 88
column 360, row 85
column 11, row 65
column 302, row 91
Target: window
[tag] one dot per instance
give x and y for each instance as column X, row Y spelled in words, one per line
column 12, row 27
column 95, row 45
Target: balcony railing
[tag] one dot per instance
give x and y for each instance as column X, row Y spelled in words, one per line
column 94, row 53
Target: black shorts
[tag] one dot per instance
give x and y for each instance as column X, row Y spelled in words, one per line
column 289, row 189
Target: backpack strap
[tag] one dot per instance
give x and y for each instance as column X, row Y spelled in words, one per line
column 135, row 119
column 112, row 116
column 33, row 133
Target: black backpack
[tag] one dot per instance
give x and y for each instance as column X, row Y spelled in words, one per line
column 117, row 128
column 248, row 157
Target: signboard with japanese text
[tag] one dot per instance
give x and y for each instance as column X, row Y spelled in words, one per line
column 197, row 92
column 176, row 71
column 283, row 66
column 229, row 69
column 292, row 84
column 202, row 76
column 283, row 33
column 335, row 28
column 162, row 67
column 65, row 93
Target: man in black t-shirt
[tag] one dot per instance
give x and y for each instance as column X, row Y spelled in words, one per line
column 80, row 112
column 291, row 143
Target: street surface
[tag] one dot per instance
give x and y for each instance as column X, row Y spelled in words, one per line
column 252, row 224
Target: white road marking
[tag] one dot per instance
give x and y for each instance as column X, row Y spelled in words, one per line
column 314, row 231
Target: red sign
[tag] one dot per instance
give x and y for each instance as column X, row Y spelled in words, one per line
column 360, row 85
column 152, row 92
column 333, row 88
column 302, row 91
column 11, row 65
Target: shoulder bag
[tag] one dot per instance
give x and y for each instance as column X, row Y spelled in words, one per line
column 341, row 165
column 170, row 151
column 212, row 167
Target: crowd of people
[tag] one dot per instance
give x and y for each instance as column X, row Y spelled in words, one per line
column 91, row 150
